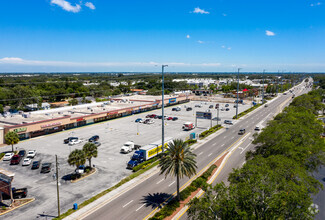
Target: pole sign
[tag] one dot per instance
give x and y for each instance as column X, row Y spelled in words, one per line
column 5, row 184
column 204, row 115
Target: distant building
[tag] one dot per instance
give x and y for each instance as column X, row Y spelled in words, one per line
column 34, row 107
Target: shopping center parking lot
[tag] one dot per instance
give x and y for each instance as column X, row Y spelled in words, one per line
column 110, row 163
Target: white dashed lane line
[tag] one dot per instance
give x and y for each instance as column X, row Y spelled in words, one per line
column 127, row 203
column 160, row 181
column 200, row 153
column 209, row 155
column 139, row 208
column 171, row 184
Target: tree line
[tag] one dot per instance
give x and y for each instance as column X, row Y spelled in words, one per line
column 277, row 180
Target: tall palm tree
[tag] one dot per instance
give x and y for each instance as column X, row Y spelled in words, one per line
column 178, row 161
column 77, row 158
column 90, row 150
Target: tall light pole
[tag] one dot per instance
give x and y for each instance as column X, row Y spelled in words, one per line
column 162, row 109
column 57, row 184
column 237, row 92
column 263, row 88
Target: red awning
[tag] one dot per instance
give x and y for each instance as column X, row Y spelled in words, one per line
column 245, row 90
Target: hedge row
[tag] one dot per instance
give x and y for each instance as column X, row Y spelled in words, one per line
column 247, row 111
column 206, row 133
column 172, row 205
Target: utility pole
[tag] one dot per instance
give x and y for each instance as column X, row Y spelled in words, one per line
column 237, row 93
column 263, row 88
column 218, row 116
column 162, row 109
column 57, row 183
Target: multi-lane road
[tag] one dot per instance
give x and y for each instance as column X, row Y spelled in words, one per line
column 140, row 201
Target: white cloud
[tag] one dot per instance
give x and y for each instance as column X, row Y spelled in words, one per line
column 188, row 36
column 90, row 5
column 200, row 11
column 65, row 5
column 200, row 42
column 22, row 62
column 269, row 33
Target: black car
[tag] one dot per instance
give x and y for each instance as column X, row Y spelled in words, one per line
column 94, row 138
column 46, row 167
column 189, row 109
column 35, row 165
column 159, row 116
column 66, row 141
column 173, row 109
column 22, row 153
column 227, row 109
column 175, row 119
column 211, row 106
column 97, row 143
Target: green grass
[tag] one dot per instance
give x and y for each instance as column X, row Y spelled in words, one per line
column 247, row 111
column 206, row 133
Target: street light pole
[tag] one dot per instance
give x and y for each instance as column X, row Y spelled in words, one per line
column 162, row 109
column 237, row 93
column 263, row 88
column 57, row 183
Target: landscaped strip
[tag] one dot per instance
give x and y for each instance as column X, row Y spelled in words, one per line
column 206, row 133
column 173, row 204
column 247, row 111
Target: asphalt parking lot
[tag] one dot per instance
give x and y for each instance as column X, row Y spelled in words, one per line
column 110, row 163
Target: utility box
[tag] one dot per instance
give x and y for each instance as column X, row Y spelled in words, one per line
column 192, row 136
column 75, row 206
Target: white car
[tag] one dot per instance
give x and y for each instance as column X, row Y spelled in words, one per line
column 27, row 161
column 149, row 121
column 257, row 128
column 8, row 156
column 31, row 154
column 74, row 141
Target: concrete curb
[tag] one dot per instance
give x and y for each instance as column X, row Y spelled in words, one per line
column 77, row 180
column 32, row 199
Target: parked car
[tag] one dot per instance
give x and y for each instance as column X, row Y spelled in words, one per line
column 8, row 156
column 198, row 105
column 138, row 120
column 148, row 116
column 67, row 141
column 188, row 109
column 16, row 193
column 242, row 131
column 46, row 167
column 31, row 154
column 170, row 118
column 27, row 161
column 222, row 109
column 265, row 105
column 148, row 121
column 210, row 106
column 36, row 165
column 229, row 122
column 15, row 159
column 227, row 109
column 94, row 138
column 175, row 119
column 235, row 106
column 178, row 109
column 208, row 110
column 80, row 169
column 227, row 105
column 216, row 119
column 22, row 153
column 173, row 109
column 74, row 141
column 159, row 116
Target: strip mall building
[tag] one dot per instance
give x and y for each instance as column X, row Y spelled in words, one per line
column 58, row 121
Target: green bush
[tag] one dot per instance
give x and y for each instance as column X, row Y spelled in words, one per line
column 247, row 111
column 1, row 155
column 190, row 142
column 144, row 164
column 210, row 131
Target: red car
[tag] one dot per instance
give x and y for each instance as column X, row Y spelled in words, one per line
column 170, row 118
column 15, row 160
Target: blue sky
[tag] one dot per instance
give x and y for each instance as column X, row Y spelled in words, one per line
column 140, row 35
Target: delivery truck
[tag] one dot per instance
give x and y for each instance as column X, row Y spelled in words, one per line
column 147, row 152
column 129, row 146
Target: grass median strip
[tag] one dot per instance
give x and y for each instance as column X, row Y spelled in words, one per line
column 247, row 111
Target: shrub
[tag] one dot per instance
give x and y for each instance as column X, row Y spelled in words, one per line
column 144, row 164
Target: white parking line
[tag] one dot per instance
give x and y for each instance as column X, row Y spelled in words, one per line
column 200, row 153
column 171, row 183
column 139, row 208
column 160, row 181
column 127, row 203
column 209, row 155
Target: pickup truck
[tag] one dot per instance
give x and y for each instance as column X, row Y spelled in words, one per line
column 129, row 146
column 16, row 193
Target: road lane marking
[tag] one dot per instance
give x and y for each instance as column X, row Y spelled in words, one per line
column 214, row 144
column 171, row 184
column 222, row 145
column 139, row 208
column 224, row 137
column 209, row 155
column 232, row 137
column 245, row 148
column 127, row 203
column 243, row 163
column 160, row 181
column 200, row 153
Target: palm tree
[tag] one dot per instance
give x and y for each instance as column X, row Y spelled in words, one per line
column 77, row 158
column 90, row 150
column 178, row 161
column 11, row 138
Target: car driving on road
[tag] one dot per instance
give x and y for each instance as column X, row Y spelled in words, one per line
column 242, row 131
column 228, row 122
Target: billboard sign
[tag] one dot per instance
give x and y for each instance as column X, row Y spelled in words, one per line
column 204, row 115
column 173, row 100
column 5, row 184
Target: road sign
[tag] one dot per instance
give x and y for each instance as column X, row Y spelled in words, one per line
column 204, row 115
